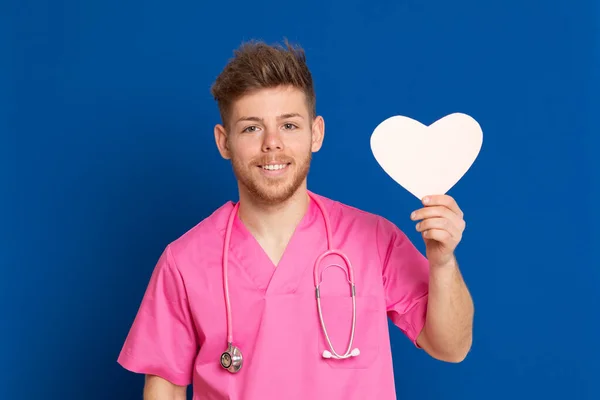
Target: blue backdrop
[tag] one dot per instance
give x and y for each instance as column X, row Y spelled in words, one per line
column 108, row 154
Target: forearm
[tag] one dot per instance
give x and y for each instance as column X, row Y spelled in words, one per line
column 157, row 388
column 449, row 322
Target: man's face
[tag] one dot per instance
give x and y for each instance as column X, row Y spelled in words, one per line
column 270, row 142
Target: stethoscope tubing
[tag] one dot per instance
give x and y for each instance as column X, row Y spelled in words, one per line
column 225, row 275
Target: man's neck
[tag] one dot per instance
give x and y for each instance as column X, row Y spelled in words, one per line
column 273, row 223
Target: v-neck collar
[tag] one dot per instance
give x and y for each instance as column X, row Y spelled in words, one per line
column 256, row 263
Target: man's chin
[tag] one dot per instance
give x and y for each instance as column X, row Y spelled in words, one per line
column 273, row 194
column 273, row 191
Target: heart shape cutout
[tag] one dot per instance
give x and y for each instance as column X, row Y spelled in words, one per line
column 423, row 159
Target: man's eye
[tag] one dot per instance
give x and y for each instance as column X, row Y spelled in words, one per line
column 290, row 126
column 250, row 129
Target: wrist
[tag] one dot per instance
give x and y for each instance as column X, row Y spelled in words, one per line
column 450, row 263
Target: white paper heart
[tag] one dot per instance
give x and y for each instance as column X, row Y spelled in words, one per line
column 424, row 159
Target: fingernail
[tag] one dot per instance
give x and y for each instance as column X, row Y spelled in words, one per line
column 413, row 215
column 425, row 200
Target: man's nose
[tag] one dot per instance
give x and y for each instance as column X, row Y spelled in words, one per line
column 272, row 140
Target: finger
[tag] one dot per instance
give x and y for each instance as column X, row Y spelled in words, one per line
column 438, row 224
column 443, row 200
column 435, row 211
column 439, row 235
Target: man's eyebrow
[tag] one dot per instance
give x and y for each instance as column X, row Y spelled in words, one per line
column 257, row 119
column 289, row 115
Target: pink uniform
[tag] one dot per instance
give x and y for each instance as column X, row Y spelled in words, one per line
column 180, row 330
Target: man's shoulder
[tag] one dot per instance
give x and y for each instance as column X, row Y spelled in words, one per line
column 351, row 218
column 204, row 233
column 342, row 212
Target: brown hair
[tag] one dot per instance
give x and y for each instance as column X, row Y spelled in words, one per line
column 256, row 65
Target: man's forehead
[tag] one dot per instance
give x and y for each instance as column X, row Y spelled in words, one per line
column 269, row 104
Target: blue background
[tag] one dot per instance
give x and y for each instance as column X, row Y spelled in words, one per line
column 107, row 154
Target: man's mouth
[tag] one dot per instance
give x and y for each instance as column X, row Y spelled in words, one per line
column 274, row 167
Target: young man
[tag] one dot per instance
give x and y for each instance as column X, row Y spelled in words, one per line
column 243, row 280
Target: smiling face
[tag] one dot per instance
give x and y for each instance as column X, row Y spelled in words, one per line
column 270, row 139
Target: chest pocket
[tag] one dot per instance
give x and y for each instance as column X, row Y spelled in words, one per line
column 337, row 317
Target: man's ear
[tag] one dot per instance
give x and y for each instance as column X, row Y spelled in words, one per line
column 221, row 141
column 318, row 133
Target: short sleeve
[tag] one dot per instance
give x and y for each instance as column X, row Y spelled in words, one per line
column 405, row 279
column 162, row 339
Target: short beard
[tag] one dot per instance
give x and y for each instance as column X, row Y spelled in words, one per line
column 274, row 192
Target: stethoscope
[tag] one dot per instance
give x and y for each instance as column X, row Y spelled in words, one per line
column 232, row 359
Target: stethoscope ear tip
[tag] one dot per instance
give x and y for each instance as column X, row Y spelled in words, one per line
column 326, row 354
column 355, row 352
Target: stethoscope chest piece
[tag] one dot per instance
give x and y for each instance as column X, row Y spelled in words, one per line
column 232, row 359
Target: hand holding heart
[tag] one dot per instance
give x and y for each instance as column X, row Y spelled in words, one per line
column 441, row 223
column 430, row 159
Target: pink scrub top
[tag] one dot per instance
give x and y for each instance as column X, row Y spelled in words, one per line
column 180, row 329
